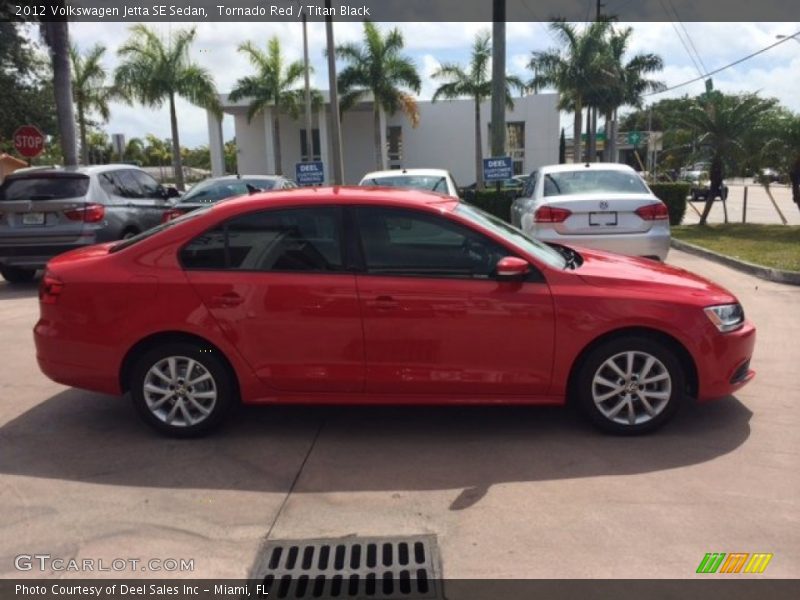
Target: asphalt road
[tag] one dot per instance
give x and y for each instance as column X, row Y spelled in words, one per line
column 510, row 492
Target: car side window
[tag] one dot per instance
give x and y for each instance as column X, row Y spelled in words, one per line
column 127, row 184
column 530, row 185
column 286, row 240
column 109, row 184
column 412, row 243
column 149, row 186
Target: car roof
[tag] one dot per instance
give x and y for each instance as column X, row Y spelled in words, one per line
column 566, row 168
column 235, row 177
column 352, row 195
column 84, row 169
column 396, row 172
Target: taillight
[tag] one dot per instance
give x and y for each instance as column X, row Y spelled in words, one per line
column 170, row 214
column 653, row 212
column 551, row 214
column 50, row 288
column 91, row 213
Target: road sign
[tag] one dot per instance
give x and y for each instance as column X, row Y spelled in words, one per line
column 634, row 137
column 498, row 168
column 309, row 173
column 29, row 141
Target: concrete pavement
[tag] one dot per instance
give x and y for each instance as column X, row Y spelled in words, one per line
column 510, row 492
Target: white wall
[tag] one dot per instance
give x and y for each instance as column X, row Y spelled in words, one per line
column 444, row 138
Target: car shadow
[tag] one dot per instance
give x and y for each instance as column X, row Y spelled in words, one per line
column 85, row 437
column 19, row 290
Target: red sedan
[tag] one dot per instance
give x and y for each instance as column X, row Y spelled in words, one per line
column 376, row 296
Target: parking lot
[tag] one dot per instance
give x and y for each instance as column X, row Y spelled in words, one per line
column 509, row 492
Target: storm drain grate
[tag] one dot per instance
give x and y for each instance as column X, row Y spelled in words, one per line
column 354, row 567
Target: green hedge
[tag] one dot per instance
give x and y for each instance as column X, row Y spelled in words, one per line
column 493, row 202
column 674, row 196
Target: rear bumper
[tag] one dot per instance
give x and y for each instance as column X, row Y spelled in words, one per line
column 36, row 256
column 652, row 244
column 725, row 366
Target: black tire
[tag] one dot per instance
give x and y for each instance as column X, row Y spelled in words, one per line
column 17, row 274
column 221, row 380
column 664, row 396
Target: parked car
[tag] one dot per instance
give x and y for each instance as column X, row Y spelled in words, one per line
column 697, row 177
column 601, row 205
column 218, row 188
column 46, row 211
column 358, row 296
column 433, row 180
column 514, row 185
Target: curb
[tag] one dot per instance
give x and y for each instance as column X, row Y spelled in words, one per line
column 776, row 275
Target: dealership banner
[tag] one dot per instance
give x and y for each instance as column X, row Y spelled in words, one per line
column 394, row 10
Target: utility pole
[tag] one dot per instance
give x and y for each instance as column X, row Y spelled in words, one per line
column 498, row 78
column 599, row 13
column 336, row 122
column 309, row 125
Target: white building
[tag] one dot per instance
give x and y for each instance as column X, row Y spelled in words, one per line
column 444, row 138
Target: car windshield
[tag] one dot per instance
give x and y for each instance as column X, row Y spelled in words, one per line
column 212, row 190
column 44, row 187
column 514, row 235
column 593, row 181
column 157, row 229
column 435, row 183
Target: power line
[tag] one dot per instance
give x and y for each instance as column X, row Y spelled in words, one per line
column 728, row 66
column 688, row 35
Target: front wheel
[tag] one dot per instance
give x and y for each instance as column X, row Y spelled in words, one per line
column 181, row 389
column 17, row 274
column 630, row 385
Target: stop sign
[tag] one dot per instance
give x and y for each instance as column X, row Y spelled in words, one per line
column 29, row 141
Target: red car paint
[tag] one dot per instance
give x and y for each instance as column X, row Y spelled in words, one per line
column 351, row 337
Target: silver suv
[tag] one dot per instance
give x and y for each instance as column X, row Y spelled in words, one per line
column 47, row 211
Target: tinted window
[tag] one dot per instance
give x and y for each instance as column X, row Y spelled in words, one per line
column 127, row 184
column 403, row 242
column 303, row 239
column 435, row 183
column 109, row 183
column 149, row 186
column 593, row 181
column 215, row 190
column 44, row 188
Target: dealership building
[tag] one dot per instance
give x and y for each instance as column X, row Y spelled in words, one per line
column 444, row 138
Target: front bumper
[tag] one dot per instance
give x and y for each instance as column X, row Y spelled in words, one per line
column 724, row 366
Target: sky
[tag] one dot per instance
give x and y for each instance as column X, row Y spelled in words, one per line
column 775, row 73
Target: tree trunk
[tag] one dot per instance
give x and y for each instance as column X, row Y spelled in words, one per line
column 376, row 126
column 611, row 138
column 577, row 130
column 714, row 188
column 177, row 163
column 498, row 79
column 276, row 140
column 794, row 178
column 478, row 147
column 82, row 133
column 591, row 127
column 57, row 36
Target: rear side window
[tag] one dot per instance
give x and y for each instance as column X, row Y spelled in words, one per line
column 291, row 240
column 44, row 188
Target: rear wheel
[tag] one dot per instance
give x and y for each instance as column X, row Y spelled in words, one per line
column 17, row 274
column 181, row 389
column 630, row 385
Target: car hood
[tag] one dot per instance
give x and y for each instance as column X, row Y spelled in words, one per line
column 605, row 269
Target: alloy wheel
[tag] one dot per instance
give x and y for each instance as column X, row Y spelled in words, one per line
column 180, row 391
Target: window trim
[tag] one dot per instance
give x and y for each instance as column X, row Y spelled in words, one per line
column 534, row 275
column 224, row 226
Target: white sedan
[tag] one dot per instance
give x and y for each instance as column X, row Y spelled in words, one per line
column 603, row 206
column 432, row 180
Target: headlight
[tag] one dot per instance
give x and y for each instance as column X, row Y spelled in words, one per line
column 726, row 317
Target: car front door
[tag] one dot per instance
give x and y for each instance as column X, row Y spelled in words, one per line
column 153, row 202
column 436, row 318
column 275, row 281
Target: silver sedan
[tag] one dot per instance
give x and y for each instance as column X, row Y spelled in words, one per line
column 602, row 206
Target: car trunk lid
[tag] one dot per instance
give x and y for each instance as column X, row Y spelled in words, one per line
column 592, row 214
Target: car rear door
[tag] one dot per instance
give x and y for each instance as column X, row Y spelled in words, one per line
column 153, row 202
column 43, row 208
column 436, row 319
column 275, row 282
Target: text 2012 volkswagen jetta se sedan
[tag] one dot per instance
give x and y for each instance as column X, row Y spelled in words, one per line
column 354, row 295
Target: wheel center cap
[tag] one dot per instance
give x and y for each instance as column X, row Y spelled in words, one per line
column 632, row 387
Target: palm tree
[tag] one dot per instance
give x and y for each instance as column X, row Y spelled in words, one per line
column 378, row 68
column 476, row 83
column 89, row 90
column 56, row 36
column 722, row 123
column 153, row 72
column 574, row 70
column 626, row 81
column 273, row 85
column 784, row 149
column 134, row 150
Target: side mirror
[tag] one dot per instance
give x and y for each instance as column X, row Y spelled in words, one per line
column 510, row 267
column 172, row 192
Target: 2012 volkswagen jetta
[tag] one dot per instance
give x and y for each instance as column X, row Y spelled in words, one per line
column 357, row 295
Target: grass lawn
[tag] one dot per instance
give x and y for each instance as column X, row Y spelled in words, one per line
column 776, row 246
